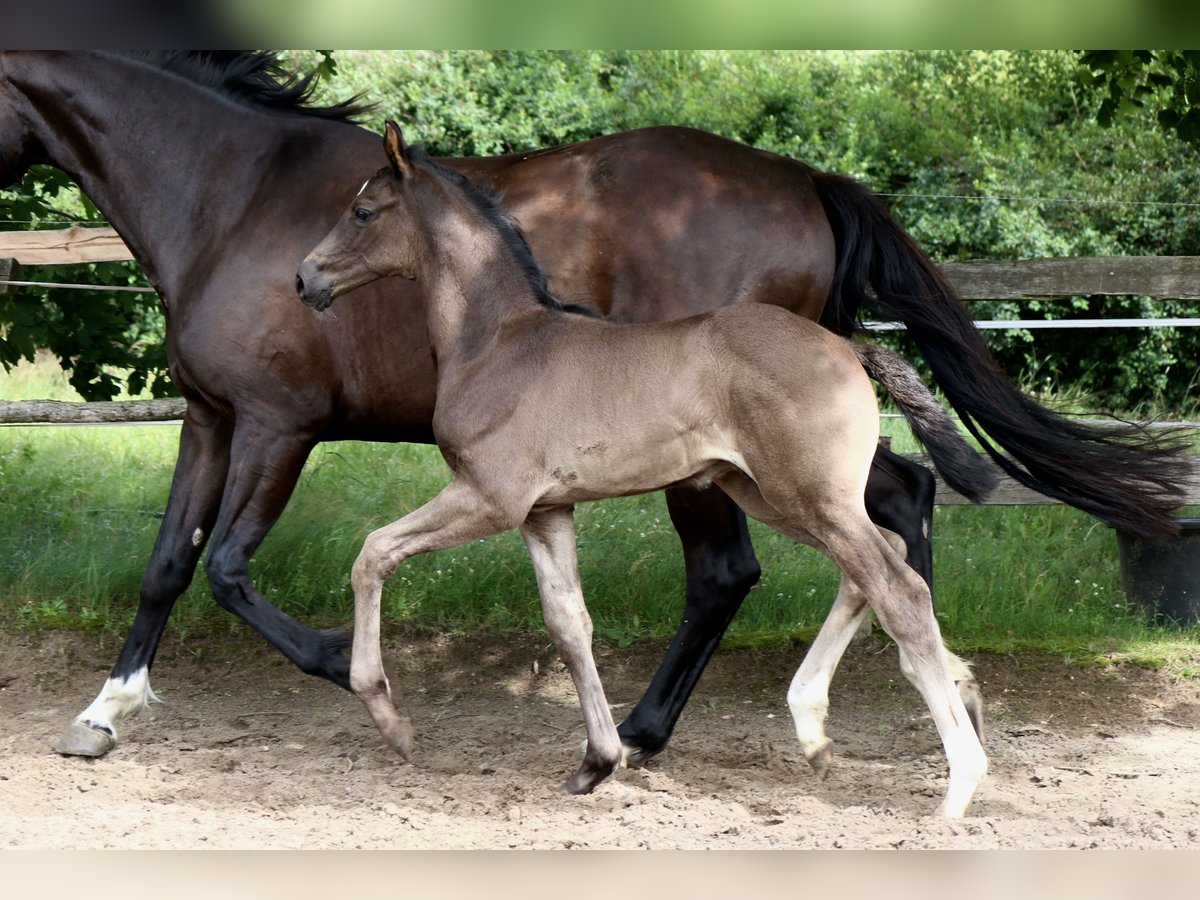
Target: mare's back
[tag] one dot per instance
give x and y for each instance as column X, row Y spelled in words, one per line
column 662, row 223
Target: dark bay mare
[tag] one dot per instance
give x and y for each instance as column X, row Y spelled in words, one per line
column 773, row 409
column 220, row 176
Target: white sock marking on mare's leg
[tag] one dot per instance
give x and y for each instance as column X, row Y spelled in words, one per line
column 119, row 698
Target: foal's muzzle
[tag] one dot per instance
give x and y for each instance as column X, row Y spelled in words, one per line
column 313, row 286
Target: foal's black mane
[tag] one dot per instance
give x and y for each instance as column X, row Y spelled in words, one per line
column 504, row 225
column 256, row 78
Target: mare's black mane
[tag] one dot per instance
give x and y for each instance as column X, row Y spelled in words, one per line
column 256, row 78
column 506, row 226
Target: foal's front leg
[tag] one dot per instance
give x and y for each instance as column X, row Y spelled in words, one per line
column 455, row 516
column 550, row 537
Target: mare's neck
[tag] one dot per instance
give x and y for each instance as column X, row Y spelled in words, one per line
column 180, row 171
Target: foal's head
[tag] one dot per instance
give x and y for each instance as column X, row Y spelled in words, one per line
column 380, row 234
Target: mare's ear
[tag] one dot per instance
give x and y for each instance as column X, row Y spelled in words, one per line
column 397, row 150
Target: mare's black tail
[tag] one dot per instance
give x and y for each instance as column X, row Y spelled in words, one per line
column 1122, row 474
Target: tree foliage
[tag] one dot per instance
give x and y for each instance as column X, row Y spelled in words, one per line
column 107, row 341
column 1166, row 82
column 981, row 154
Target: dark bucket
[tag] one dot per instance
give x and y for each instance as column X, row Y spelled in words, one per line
column 1163, row 577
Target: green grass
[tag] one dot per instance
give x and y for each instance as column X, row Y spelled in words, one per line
column 80, row 508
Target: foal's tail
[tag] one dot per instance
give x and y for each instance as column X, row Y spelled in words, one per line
column 1121, row 474
column 960, row 465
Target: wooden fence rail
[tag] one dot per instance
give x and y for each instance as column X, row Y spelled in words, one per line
column 66, row 246
column 60, row 412
column 1158, row 277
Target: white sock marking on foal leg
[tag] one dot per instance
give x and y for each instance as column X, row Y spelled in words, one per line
column 119, row 698
column 808, row 693
column 809, row 704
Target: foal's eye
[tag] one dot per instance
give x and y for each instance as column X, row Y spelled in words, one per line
column 363, row 215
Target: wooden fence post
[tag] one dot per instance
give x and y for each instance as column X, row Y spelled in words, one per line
column 8, row 269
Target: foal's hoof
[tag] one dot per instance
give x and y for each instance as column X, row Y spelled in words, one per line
column 399, row 736
column 821, row 759
column 84, row 740
column 585, row 780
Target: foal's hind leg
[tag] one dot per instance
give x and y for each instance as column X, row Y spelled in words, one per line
column 899, row 498
column 905, row 610
column 550, row 537
column 808, row 694
column 871, row 570
column 721, row 569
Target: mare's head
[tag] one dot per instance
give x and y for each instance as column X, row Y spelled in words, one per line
column 380, row 234
column 62, row 108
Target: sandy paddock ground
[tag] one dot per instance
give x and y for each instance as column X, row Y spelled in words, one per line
column 246, row 752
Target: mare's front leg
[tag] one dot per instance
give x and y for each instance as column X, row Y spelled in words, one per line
column 550, row 537
column 199, row 479
column 455, row 516
column 265, row 464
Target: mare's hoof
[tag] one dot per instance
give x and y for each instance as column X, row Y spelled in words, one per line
column 973, row 700
column 821, row 759
column 399, row 736
column 84, row 740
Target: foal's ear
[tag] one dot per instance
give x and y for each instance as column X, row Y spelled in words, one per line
column 397, row 150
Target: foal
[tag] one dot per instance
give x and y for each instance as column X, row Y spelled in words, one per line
column 528, row 422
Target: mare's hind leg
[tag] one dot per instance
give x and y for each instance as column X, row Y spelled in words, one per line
column 899, row 497
column 199, row 477
column 550, row 537
column 721, row 568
